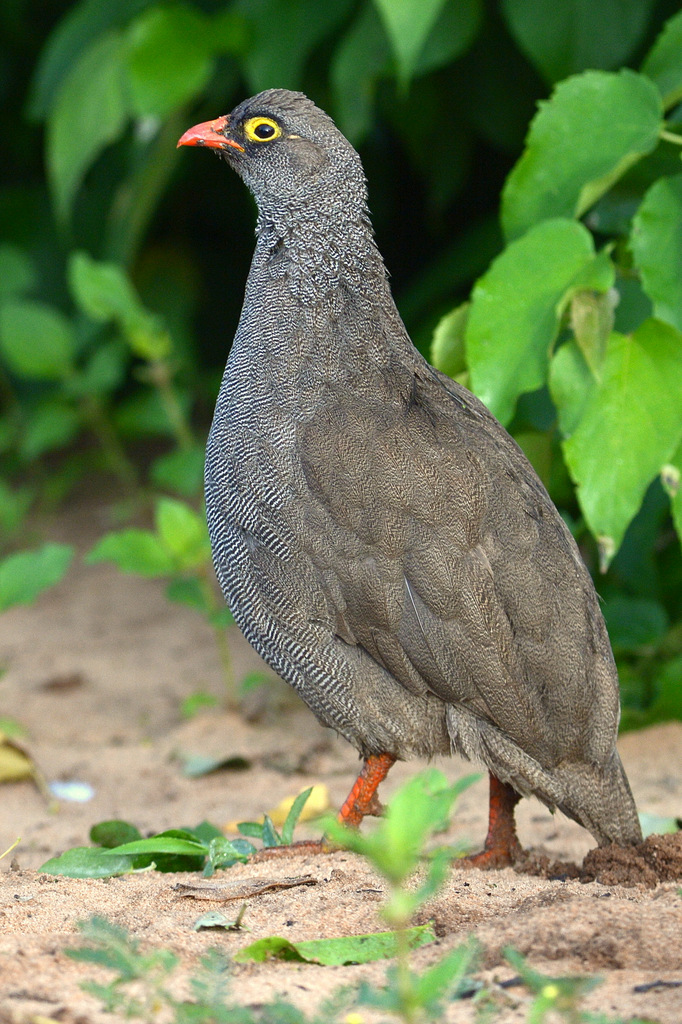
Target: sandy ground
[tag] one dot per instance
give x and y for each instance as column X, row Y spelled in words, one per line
column 96, row 672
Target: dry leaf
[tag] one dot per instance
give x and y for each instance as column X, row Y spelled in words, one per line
column 16, row 764
column 243, row 889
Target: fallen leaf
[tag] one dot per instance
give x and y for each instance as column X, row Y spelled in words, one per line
column 16, row 765
column 346, row 949
column 241, row 890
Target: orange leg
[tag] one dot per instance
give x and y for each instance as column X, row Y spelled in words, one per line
column 363, row 798
column 502, row 846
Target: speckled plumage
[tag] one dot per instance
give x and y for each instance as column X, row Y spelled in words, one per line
column 381, row 540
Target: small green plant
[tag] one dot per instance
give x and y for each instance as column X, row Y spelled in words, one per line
column 120, row 848
column 395, row 848
column 553, row 997
column 139, row 987
column 26, row 574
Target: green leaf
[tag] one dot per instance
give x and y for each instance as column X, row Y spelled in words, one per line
column 516, row 309
column 360, row 60
column 103, row 372
column 407, row 24
column 90, row 112
column 283, row 33
column 169, row 58
column 164, row 842
column 571, row 384
column 223, row 853
column 52, row 425
column 349, row 949
column 188, row 591
column 88, row 862
column 269, row 833
column 447, row 348
column 630, row 427
column 616, row 116
column 25, row 574
column 134, row 551
column 36, row 340
column 293, row 816
column 17, row 273
column 663, row 63
column 562, row 38
column 656, row 242
column 183, row 532
column 415, row 811
column 105, row 292
column 113, row 833
column 189, row 707
column 448, row 973
column 181, row 471
column 83, row 23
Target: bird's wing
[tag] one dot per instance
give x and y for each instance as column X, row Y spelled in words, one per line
column 440, row 553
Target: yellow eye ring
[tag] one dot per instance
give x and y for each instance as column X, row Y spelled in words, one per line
column 262, row 129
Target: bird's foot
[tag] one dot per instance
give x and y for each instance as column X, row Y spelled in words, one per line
column 362, row 799
column 502, row 847
column 500, row 855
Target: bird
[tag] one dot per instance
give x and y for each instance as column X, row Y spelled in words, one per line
column 381, row 540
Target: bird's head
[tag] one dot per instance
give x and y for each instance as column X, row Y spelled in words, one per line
column 288, row 151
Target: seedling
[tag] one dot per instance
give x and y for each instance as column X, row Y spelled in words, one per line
column 122, row 850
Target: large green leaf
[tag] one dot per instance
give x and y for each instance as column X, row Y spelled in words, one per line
column 360, row 60
column 408, row 24
column 104, row 291
column 656, row 242
column 347, row 949
column 629, row 428
column 135, row 551
column 169, row 58
column 26, row 574
column 591, row 130
column 516, row 309
column 663, row 63
column 36, row 340
column 572, row 35
column 84, row 23
column 283, row 34
column 183, row 533
column 90, row 112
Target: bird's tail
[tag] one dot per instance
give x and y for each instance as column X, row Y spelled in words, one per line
column 601, row 800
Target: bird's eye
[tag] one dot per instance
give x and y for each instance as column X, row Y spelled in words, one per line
column 262, row 129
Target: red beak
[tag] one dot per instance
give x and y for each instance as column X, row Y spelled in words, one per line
column 209, row 133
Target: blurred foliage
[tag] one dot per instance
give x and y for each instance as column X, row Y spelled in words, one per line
column 543, row 245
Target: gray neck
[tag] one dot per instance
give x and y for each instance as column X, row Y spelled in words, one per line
column 320, row 248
